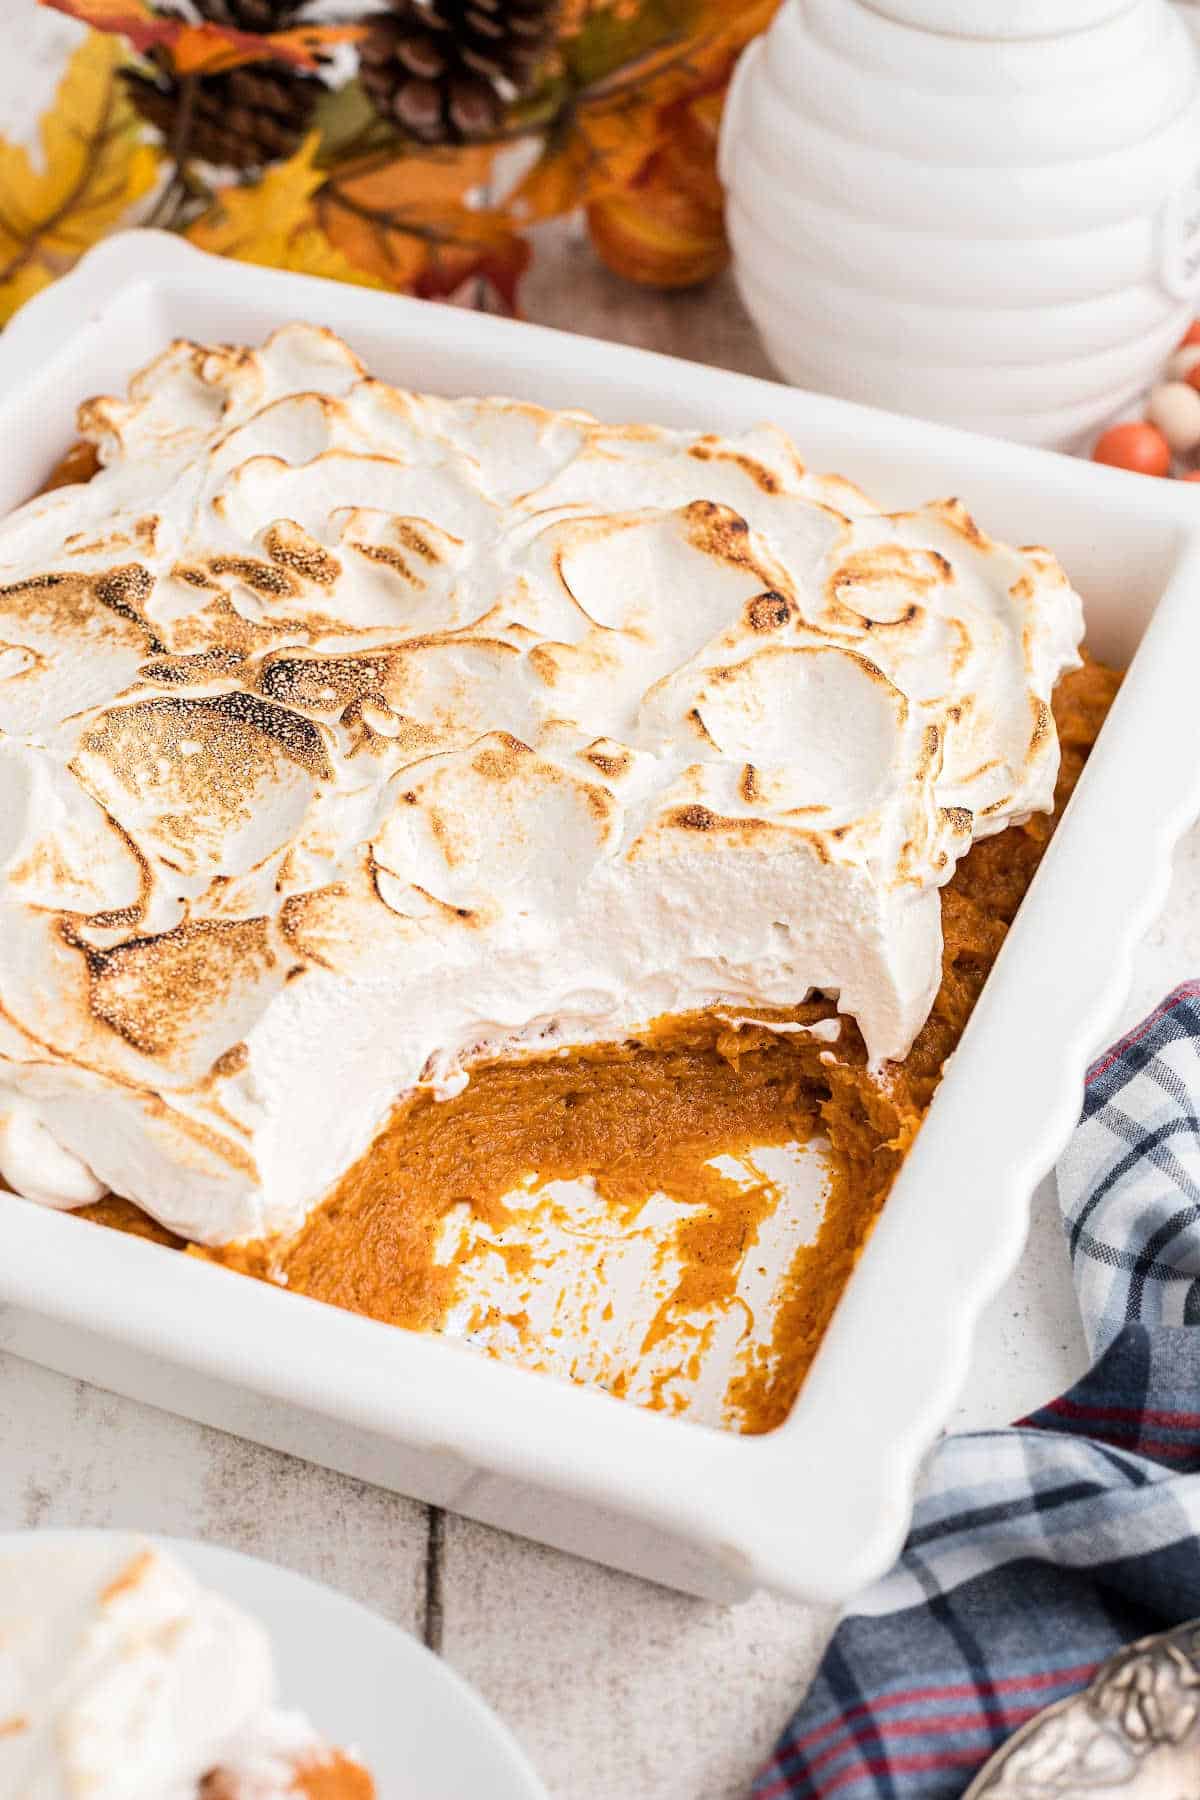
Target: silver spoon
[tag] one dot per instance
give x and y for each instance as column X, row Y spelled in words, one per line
column 1135, row 1731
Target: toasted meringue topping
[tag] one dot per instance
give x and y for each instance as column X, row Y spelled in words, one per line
column 347, row 733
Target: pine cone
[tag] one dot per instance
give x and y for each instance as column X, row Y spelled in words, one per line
column 258, row 113
column 444, row 70
column 249, row 15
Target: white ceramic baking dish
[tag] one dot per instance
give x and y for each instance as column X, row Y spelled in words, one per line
column 819, row 1506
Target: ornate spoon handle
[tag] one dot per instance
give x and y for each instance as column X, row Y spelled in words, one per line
column 1135, row 1730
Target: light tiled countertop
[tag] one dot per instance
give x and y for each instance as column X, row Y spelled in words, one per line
column 619, row 1690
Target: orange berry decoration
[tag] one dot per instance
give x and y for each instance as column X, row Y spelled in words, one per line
column 1190, row 336
column 1192, row 475
column 1140, row 447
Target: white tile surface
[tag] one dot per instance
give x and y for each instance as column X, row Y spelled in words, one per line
column 73, row 1455
column 619, row 1690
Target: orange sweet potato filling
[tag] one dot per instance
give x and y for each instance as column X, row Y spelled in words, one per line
column 79, row 463
column 333, row 1778
column 648, row 1114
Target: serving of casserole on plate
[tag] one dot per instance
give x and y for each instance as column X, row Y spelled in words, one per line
column 520, row 875
column 164, row 1667
column 120, row 1672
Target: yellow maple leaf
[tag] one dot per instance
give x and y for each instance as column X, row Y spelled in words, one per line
column 92, row 169
column 272, row 222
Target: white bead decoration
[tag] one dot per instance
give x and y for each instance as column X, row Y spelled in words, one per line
column 1174, row 407
column 1183, row 362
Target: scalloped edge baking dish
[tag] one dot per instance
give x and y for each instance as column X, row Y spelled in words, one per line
column 818, row 1507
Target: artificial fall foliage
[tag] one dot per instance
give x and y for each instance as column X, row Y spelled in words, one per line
column 611, row 107
column 92, row 168
column 271, row 222
column 206, row 48
column 665, row 226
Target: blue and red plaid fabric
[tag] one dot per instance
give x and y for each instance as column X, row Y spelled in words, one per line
column 1039, row 1549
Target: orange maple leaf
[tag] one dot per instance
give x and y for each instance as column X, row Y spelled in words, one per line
column 211, row 49
column 206, row 49
column 449, row 267
column 132, row 18
column 405, row 220
column 723, row 28
column 665, row 225
column 596, row 145
column 608, row 134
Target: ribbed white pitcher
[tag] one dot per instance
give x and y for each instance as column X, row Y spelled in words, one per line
column 983, row 211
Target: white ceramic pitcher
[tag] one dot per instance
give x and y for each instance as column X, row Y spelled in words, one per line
column 983, row 211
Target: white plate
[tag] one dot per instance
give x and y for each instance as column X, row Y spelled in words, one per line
column 365, row 1684
column 819, row 1506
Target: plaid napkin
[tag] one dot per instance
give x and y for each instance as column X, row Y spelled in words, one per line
column 1038, row 1550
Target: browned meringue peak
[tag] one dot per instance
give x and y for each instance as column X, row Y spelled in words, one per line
column 963, row 625
column 428, row 694
column 194, row 392
column 214, row 784
column 753, row 711
column 61, row 853
column 419, row 725
column 469, row 836
column 65, row 639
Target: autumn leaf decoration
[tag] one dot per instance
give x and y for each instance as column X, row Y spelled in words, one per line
column 271, row 222
column 91, row 170
column 204, row 49
column 619, row 119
